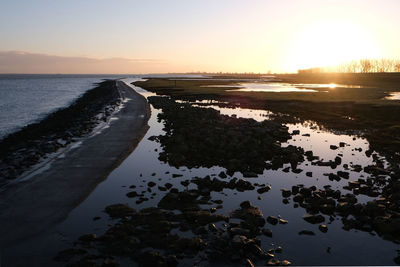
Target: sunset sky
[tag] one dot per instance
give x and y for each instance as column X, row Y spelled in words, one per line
column 126, row 36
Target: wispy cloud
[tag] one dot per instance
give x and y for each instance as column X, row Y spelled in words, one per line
column 25, row 62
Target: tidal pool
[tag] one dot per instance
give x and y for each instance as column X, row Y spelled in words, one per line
column 336, row 247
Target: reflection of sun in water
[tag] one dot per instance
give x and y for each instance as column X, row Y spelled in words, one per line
column 329, row 43
column 332, row 86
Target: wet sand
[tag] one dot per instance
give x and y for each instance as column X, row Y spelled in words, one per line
column 31, row 207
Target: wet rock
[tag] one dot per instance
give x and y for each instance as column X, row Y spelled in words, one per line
column 306, row 232
column 176, row 175
column 323, row 228
column 272, row 220
column 152, row 258
column 151, row 184
column 282, row 221
column 263, row 189
column 309, row 174
column 222, row 175
column 333, row 147
column 295, row 189
column 314, row 219
column 249, row 174
column 250, row 214
column 338, row 160
column 179, row 200
column 119, row 210
column 267, row 232
column 249, row 263
column 285, row 263
column 132, row 194
column 68, row 254
column 88, row 238
column 343, row 174
column 298, row 198
column 286, row 192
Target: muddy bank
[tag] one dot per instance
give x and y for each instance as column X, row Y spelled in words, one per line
column 33, row 206
column 22, row 149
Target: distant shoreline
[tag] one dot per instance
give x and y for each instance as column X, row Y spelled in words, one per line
column 31, row 207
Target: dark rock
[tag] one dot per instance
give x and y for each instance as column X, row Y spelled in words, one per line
column 306, row 232
column 323, row 228
column 286, row 192
column 314, row 219
column 267, row 232
column 119, row 210
column 272, row 220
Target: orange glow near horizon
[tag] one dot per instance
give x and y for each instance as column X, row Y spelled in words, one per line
column 329, row 43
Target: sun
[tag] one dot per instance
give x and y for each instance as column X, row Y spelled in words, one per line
column 329, row 43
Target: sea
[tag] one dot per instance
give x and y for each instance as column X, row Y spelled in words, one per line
column 28, row 98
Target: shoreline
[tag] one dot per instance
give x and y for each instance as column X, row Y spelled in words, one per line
column 23, row 149
column 33, row 206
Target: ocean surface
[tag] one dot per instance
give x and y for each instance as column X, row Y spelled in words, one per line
column 26, row 98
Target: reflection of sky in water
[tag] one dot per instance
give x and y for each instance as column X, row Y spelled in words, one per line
column 394, row 96
column 347, row 247
column 283, row 87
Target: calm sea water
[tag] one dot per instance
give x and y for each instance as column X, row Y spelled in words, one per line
column 25, row 99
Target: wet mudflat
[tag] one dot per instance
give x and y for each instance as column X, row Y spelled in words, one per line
column 222, row 186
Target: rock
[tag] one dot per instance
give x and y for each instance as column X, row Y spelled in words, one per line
column 298, row 198
column 295, row 132
column 176, row 175
column 323, row 228
column 249, row 263
column 263, row 189
column 295, row 189
column 338, row 160
column 68, row 254
column 285, row 263
column 272, row 220
column 222, row 175
column 245, row 204
column 249, row 174
column 132, row 194
column 119, row 210
column 314, row 219
column 273, row 262
column 342, row 144
column 309, row 174
column 286, row 192
column 250, row 214
column 87, row 238
column 333, row 147
column 306, row 232
column 282, row 221
column 343, row 174
column 267, row 232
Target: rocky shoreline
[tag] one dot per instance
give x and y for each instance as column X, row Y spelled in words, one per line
column 192, row 225
column 23, row 149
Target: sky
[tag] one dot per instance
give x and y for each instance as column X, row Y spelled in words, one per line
column 128, row 36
